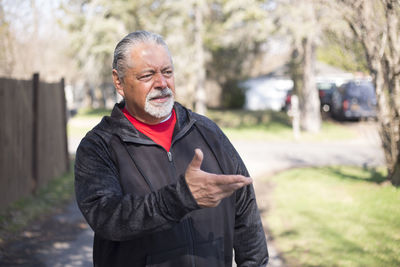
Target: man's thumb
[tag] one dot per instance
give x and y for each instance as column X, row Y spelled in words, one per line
column 197, row 159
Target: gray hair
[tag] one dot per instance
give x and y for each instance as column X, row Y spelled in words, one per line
column 124, row 47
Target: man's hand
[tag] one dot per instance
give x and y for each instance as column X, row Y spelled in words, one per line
column 209, row 189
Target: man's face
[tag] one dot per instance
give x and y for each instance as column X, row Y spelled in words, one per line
column 148, row 85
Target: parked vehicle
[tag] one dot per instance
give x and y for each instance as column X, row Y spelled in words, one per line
column 266, row 93
column 288, row 101
column 354, row 100
column 325, row 90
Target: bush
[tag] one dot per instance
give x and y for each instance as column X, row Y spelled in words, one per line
column 233, row 95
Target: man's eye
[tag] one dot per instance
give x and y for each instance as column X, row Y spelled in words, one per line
column 168, row 73
column 145, row 77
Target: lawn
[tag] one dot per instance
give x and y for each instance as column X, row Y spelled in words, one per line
column 334, row 216
column 84, row 121
column 237, row 124
column 272, row 126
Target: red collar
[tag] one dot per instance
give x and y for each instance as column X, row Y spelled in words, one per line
column 160, row 133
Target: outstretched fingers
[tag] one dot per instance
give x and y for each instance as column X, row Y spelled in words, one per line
column 224, row 185
column 221, row 179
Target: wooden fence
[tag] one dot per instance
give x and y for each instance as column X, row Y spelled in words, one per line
column 33, row 137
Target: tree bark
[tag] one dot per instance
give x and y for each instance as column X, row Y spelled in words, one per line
column 309, row 105
column 392, row 64
column 89, row 96
column 376, row 24
column 200, row 92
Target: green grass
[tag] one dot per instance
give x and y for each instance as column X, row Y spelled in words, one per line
column 90, row 113
column 20, row 213
column 236, row 124
column 335, row 216
column 245, row 118
column 78, row 127
column 84, row 121
column 272, row 126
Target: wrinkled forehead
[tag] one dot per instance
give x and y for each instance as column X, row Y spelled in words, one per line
column 148, row 53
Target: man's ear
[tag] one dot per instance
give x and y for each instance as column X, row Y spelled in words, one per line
column 118, row 83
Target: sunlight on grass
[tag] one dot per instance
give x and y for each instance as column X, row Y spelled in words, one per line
column 78, row 127
column 90, row 113
column 272, row 126
column 84, row 121
column 236, row 124
column 335, row 216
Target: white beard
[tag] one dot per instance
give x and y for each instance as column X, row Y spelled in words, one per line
column 159, row 110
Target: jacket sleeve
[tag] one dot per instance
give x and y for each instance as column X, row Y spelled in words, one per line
column 249, row 238
column 117, row 216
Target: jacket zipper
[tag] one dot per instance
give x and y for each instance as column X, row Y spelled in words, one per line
column 169, row 154
column 188, row 226
column 187, row 222
column 192, row 241
column 183, row 131
column 177, row 137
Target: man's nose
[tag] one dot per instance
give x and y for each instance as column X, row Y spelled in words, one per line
column 160, row 81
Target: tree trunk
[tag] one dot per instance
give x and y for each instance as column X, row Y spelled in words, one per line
column 309, row 101
column 394, row 167
column 295, row 69
column 395, row 176
column 7, row 46
column 388, row 117
column 89, row 96
column 376, row 24
column 200, row 92
column 392, row 62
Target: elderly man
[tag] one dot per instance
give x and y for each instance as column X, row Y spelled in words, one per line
column 159, row 184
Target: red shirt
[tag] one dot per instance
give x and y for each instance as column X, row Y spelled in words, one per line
column 160, row 133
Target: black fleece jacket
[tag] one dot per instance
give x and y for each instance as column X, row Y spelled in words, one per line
column 133, row 194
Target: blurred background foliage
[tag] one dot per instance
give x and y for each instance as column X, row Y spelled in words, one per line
column 237, row 40
column 216, row 45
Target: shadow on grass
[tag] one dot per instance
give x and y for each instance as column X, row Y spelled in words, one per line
column 94, row 112
column 247, row 118
column 288, row 233
column 372, row 175
column 339, row 244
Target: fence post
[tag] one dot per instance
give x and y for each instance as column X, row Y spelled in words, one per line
column 35, row 131
column 65, row 120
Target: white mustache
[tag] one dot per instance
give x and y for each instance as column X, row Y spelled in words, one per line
column 157, row 93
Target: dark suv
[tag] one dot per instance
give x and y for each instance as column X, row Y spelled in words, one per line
column 325, row 90
column 354, row 100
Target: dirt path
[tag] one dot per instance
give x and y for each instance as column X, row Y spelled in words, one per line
column 62, row 239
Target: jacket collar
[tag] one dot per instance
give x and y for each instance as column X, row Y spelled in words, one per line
column 119, row 125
